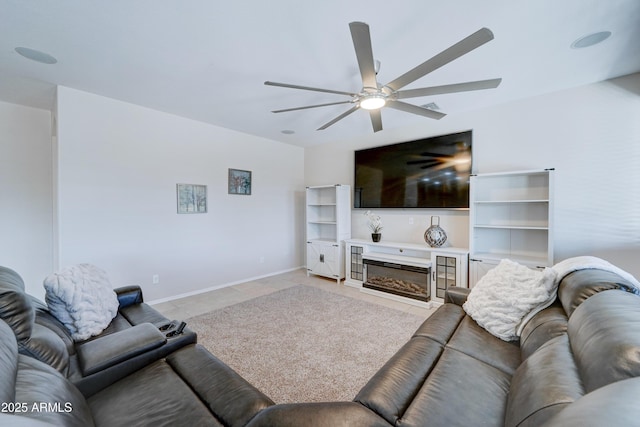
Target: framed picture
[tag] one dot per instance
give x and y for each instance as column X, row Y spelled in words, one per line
column 191, row 198
column 239, row 182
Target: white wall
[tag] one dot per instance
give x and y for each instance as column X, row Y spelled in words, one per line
column 590, row 134
column 118, row 168
column 120, row 163
column 25, row 193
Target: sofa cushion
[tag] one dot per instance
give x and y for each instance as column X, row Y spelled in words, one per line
column 49, row 396
column 543, row 385
column 545, row 325
column 15, row 305
column 153, row 396
column 447, row 357
column 476, row 342
column 460, row 391
column 47, row 320
column 8, row 363
column 18, row 310
column 604, row 332
column 44, row 395
column 46, row 346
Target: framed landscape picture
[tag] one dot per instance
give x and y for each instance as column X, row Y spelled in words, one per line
column 191, row 198
column 239, row 182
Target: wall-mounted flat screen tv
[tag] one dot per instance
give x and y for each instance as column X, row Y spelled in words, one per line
column 425, row 173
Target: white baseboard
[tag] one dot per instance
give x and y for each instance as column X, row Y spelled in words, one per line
column 220, row 286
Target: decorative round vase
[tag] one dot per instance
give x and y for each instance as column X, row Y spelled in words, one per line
column 435, row 235
column 376, row 237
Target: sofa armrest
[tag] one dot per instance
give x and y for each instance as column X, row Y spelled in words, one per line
column 456, row 295
column 104, row 352
column 330, row 414
column 615, row 404
column 129, row 295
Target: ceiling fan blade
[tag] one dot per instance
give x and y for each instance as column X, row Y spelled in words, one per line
column 310, row 106
column 340, row 117
column 458, row 87
column 463, row 47
column 364, row 53
column 410, row 108
column 376, row 120
column 309, row 88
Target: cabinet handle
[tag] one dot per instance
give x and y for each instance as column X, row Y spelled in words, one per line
column 321, row 257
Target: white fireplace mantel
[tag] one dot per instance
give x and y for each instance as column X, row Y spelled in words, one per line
column 449, row 265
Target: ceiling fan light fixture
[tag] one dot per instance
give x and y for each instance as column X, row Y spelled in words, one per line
column 373, row 101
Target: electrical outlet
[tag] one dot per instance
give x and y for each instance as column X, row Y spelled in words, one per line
column 155, row 279
column 261, row 260
column 410, row 220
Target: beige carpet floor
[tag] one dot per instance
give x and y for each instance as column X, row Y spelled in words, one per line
column 304, row 344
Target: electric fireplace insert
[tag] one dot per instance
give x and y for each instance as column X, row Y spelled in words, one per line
column 404, row 280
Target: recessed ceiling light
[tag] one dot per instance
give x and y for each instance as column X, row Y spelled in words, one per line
column 36, row 55
column 590, row 39
column 288, row 131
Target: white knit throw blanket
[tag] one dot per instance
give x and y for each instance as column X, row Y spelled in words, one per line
column 82, row 299
column 504, row 296
column 508, row 296
column 590, row 262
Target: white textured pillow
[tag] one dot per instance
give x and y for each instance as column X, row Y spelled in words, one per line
column 506, row 297
column 82, row 299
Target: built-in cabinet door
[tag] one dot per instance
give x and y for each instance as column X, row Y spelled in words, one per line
column 447, row 270
column 478, row 268
column 315, row 259
column 323, row 259
column 355, row 263
column 444, row 271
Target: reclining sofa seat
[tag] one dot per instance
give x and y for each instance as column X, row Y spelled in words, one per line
column 577, row 363
column 173, row 381
column 190, row 387
column 132, row 339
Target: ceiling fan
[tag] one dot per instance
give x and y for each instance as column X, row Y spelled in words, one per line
column 373, row 96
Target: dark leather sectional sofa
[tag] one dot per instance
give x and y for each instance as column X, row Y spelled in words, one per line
column 132, row 374
column 577, row 363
